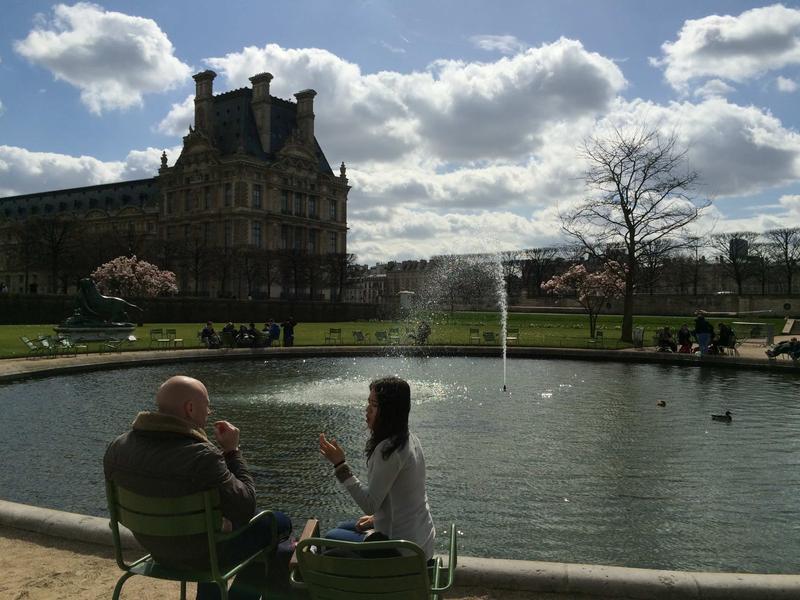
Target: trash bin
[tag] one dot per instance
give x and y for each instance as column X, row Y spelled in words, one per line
column 638, row 337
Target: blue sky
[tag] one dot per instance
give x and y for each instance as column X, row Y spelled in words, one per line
column 460, row 122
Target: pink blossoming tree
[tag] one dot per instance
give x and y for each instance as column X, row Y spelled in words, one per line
column 592, row 289
column 130, row 277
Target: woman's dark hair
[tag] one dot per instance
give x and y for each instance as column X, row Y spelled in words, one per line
column 394, row 403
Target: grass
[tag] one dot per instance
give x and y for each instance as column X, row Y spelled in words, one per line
column 546, row 330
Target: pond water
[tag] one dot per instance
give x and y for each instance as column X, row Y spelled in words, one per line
column 575, row 463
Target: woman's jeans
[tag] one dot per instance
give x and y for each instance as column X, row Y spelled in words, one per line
column 346, row 532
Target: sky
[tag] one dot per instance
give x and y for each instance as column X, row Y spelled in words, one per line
column 461, row 122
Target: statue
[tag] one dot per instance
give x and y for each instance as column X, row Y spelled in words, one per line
column 342, row 171
column 164, row 159
column 98, row 317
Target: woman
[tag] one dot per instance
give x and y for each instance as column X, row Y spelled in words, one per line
column 394, row 499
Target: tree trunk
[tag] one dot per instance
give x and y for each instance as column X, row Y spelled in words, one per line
column 627, row 307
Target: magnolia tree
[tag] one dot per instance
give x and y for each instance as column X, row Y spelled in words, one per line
column 131, row 277
column 592, row 289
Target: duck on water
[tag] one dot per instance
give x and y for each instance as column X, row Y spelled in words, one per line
column 727, row 417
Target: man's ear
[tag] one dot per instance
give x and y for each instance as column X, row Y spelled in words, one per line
column 188, row 408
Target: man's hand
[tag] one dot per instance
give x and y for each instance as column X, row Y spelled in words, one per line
column 330, row 450
column 227, row 436
column 364, row 523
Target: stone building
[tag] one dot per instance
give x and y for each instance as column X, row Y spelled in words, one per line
column 251, row 207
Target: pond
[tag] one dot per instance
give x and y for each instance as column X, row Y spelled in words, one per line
column 575, row 463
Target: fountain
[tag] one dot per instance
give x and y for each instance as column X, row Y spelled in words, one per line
column 598, row 471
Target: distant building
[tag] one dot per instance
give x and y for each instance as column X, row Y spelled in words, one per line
column 251, row 207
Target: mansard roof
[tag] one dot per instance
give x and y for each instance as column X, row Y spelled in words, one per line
column 138, row 192
column 235, row 127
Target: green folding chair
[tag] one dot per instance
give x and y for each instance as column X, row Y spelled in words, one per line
column 350, row 572
column 198, row 513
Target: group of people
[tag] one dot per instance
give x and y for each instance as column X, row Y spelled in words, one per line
column 249, row 336
column 708, row 340
column 168, row 453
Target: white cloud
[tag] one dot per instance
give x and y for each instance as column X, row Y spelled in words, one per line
column 179, row 117
column 24, row 171
column 505, row 44
column 734, row 48
column 453, row 111
column 786, row 85
column 113, row 58
column 393, row 49
column 713, row 87
column 737, row 150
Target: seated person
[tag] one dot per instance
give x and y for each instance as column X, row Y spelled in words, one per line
column 167, row 453
column 790, row 347
column 665, row 341
column 685, row 339
column 726, row 336
column 243, row 338
column 209, row 337
column 229, row 328
column 393, row 499
column 420, row 336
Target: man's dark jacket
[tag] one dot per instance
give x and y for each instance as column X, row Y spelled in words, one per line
column 165, row 456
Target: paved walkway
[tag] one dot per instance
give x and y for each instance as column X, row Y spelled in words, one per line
column 751, row 354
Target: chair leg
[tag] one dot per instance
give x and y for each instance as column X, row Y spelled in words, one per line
column 183, row 590
column 120, row 583
column 223, row 590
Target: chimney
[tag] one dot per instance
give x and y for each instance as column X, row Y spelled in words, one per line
column 305, row 115
column 203, row 101
column 261, row 105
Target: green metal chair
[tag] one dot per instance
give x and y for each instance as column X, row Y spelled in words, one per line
column 198, row 513
column 34, row 348
column 406, row 576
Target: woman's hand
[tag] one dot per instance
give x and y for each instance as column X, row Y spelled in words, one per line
column 330, row 450
column 365, row 523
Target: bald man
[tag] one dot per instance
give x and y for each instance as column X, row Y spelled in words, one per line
column 167, row 453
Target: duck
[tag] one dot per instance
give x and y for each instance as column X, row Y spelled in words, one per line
column 661, row 403
column 726, row 417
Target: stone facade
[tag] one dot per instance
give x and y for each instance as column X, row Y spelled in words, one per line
column 251, row 207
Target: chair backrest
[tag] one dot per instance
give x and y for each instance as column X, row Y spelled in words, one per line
column 31, row 345
column 198, row 513
column 172, row 333
column 156, row 333
column 598, row 335
column 358, row 335
column 380, row 335
column 488, row 336
column 350, row 576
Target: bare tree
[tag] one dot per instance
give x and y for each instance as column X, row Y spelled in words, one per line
column 538, row 265
column 339, row 267
column 651, row 262
column 785, row 251
column 733, row 250
column 761, row 257
column 642, row 193
column 57, row 238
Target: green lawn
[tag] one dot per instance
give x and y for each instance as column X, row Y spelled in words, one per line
column 550, row 330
